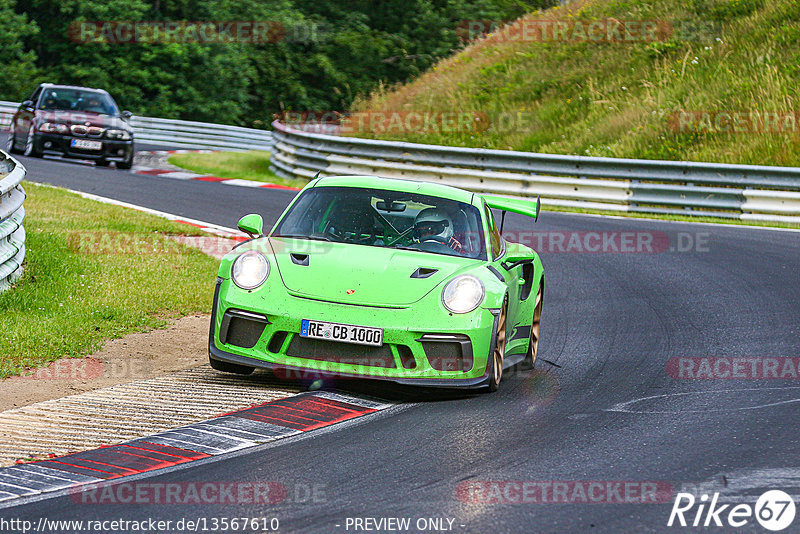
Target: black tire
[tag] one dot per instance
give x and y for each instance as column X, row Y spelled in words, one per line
column 533, row 345
column 30, row 147
column 127, row 164
column 10, row 142
column 499, row 352
column 227, row 367
column 101, row 163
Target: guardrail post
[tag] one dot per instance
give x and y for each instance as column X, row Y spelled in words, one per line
column 12, row 215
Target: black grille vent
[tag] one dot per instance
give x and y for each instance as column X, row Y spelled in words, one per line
column 449, row 352
column 242, row 329
column 332, row 351
column 276, row 342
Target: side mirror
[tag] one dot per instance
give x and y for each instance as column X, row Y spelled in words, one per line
column 28, row 104
column 252, row 225
column 127, row 115
column 512, row 261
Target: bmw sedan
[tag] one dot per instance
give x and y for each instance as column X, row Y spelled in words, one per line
column 73, row 122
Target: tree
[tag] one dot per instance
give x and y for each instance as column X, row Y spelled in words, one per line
column 17, row 68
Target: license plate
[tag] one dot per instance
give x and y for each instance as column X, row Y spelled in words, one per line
column 86, row 144
column 345, row 333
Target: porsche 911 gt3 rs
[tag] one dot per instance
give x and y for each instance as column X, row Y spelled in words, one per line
column 383, row 279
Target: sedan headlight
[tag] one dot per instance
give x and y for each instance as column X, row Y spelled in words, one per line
column 463, row 294
column 250, row 270
column 53, row 127
column 122, row 135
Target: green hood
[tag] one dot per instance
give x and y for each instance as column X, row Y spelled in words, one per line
column 374, row 275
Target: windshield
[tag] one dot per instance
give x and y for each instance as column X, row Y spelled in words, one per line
column 78, row 100
column 381, row 218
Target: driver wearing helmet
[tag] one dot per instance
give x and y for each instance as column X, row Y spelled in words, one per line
column 50, row 100
column 433, row 224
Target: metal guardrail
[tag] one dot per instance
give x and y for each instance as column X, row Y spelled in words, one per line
column 746, row 192
column 12, row 214
column 181, row 134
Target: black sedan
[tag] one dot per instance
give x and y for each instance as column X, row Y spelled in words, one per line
column 73, row 122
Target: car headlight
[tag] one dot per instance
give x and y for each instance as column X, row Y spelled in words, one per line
column 51, row 127
column 250, row 270
column 463, row 294
column 122, row 135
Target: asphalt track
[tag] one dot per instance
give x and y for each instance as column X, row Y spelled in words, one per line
column 611, row 411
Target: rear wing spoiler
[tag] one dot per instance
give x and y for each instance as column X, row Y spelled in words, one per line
column 523, row 206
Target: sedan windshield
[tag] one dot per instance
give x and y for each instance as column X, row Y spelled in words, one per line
column 78, row 100
column 390, row 219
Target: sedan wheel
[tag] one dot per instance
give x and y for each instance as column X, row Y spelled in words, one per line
column 536, row 325
column 30, row 148
column 498, row 356
column 10, row 142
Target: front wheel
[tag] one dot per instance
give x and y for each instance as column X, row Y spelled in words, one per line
column 30, row 145
column 499, row 353
column 533, row 347
column 127, row 164
column 10, row 142
column 227, row 367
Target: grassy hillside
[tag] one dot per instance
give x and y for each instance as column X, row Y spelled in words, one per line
column 620, row 99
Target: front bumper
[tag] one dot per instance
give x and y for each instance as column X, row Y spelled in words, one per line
column 408, row 355
column 56, row 144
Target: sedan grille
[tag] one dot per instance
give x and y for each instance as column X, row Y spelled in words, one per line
column 80, row 130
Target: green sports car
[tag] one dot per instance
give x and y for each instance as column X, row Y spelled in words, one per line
column 385, row 279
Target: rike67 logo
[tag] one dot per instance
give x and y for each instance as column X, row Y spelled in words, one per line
column 774, row 510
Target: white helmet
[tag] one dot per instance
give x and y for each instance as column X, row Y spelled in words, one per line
column 433, row 222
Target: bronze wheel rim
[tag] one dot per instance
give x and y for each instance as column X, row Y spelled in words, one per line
column 500, row 346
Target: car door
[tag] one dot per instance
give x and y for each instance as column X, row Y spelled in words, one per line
column 24, row 116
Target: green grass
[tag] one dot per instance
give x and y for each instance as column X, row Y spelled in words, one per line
column 617, row 99
column 251, row 165
column 71, row 297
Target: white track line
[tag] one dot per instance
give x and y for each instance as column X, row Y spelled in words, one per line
column 212, row 228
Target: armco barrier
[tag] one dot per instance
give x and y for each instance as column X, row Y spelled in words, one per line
column 178, row 133
column 745, row 192
column 12, row 214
